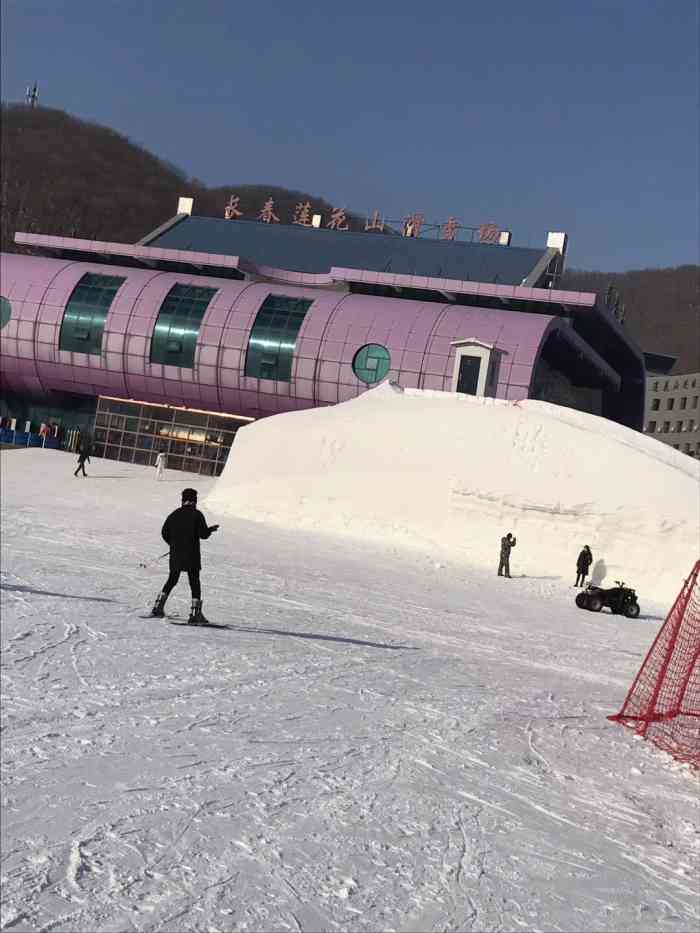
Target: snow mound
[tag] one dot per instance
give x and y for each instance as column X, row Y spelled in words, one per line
column 452, row 473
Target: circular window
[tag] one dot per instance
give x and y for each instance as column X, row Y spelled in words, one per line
column 371, row 363
column 5, row 311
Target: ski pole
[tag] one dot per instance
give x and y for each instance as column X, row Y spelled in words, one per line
column 150, row 563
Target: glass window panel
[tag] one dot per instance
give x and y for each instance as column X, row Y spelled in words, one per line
column 114, row 437
column 177, row 328
column 111, row 451
column 371, row 363
column 86, row 312
column 191, row 418
column 273, row 337
column 126, row 454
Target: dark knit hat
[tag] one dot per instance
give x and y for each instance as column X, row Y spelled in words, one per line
column 189, row 495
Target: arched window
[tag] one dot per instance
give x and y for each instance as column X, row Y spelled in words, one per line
column 273, row 337
column 177, row 328
column 86, row 312
column 5, row 311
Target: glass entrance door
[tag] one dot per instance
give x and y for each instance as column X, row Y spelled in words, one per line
column 468, row 378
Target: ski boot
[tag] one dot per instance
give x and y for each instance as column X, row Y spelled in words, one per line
column 158, row 611
column 197, row 617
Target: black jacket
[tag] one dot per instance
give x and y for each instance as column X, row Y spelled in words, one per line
column 584, row 561
column 506, row 545
column 182, row 530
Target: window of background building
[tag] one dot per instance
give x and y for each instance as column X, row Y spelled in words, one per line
column 680, row 426
column 692, row 384
column 177, row 328
column 685, row 383
column 676, row 384
column 139, row 433
column 695, row 401
column 273, row 337
column 86, row 312
column 371, row 363
column 666, row 386
column 5, row 311
column 683, row 402
column 670, row 403
column 676, row 446
column 655, row 404
column 651, row 427
column 656, row 387
column 666, row 428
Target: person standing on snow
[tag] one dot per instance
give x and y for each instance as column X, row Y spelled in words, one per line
column 83, row 458
column 507, row 544
column 160, row 465
column 583, row 562
column 182, row 531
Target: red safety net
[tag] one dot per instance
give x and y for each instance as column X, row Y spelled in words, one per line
column 663, row 704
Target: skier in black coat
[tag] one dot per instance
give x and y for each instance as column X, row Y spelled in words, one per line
column 507, row 544
column 583, row 562
column 183, row 530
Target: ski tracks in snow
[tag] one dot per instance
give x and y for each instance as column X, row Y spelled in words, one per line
column 376, row 745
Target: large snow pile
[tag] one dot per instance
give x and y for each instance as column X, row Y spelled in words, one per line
column 453, row 473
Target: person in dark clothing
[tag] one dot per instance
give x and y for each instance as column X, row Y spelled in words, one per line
column 507, row 544
column 83, row 458
column 182, row 531
column 584, row 561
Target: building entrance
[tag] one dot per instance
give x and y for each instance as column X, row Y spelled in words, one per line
column 468, row 379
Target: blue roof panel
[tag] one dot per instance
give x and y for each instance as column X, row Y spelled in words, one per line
column 305, row 249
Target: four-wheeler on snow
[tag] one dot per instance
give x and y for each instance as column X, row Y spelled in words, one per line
column 621, row 599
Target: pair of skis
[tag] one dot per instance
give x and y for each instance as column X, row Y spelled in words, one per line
column 179, row 620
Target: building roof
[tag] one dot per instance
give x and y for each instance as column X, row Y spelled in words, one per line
column 309, row 250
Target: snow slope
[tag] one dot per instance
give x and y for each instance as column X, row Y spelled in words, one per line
column 454, row 473
column 379, row 742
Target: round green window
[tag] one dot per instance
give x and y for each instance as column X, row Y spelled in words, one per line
column 371, row 363
column 5, row 311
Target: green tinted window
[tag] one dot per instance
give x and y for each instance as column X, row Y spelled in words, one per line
column 371, row 363
column 177, row 328
column 5, row 311
column 273, row 338
column 86, row 313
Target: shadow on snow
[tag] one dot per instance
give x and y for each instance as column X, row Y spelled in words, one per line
column 30, row 589
column 350, row 641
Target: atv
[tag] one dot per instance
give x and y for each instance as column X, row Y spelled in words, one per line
column 621, row 599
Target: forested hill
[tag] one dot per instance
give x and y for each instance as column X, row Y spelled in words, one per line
column 61, row 175
column 662, row 308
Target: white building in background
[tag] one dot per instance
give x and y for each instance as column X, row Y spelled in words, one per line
column 673, row 411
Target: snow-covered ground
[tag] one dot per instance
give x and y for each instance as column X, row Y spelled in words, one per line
column 453, row 472
column 384, row 739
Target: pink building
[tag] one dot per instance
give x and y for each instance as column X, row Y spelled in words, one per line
column 240, row 320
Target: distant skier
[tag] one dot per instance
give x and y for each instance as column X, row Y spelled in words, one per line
column 583, row 562
column 83, row 458
column 507, row 544
column 182, row 531
column 160, row 465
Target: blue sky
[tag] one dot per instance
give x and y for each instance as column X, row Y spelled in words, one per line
column 538, row 116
